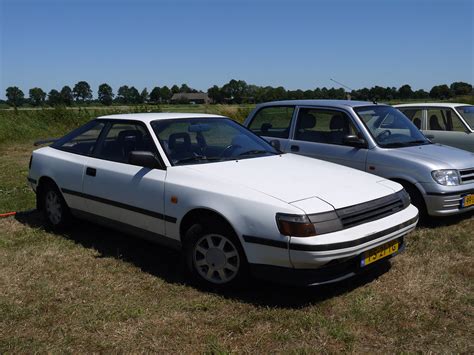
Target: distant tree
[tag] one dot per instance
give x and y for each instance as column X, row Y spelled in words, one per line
column 105, row 94
column 37, row 96
column 215, row 94
column 420, row 94
column 376, row 93
column 441, row 92
column 174, row 89
column 144, row 96
column 82, row 91
column 54, row 98
column 165, row 93
column 405, row 92
column 184, row 88
column 235, row 90
column 134, row 96
column 155, row 95
column 461, row 88
column 123, row 94
column 14, row 96
column 66, row 96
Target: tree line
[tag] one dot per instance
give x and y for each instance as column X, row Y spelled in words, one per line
column 235, row 91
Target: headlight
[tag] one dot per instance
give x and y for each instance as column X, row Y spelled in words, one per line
column 446, row 177
column 295, row 225
column 308, row 226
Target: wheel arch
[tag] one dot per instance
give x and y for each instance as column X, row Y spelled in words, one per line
column 43, row 181
column 206, row 215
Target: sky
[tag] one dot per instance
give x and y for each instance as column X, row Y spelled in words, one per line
column 294, row 43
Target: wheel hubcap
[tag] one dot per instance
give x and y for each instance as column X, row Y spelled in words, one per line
column 216, row 258
column 53, row 207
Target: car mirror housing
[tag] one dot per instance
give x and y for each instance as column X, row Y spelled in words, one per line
column 354, row 141
column 275, row 143
column 143, row 158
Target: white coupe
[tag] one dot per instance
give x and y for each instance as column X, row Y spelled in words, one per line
column 232, row 202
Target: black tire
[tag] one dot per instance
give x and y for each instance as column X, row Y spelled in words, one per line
column 55, row 210
column 215, row 257
column 418, row 201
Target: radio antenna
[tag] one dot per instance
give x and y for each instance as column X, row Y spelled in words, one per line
column 341, row 84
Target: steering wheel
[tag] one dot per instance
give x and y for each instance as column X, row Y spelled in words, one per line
column 229, row 150
column 384, row 135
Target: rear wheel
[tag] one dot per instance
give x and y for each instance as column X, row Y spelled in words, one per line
column 55, row 209
column 215, row 257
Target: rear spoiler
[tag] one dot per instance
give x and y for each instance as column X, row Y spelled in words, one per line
column 45, row 141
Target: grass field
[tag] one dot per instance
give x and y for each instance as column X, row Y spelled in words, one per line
column 96, row 290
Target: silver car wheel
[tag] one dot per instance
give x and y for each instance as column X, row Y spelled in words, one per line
column 216, row 258
column 53, row 207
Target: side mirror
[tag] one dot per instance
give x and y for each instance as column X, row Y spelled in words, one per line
column 354, row 141
column 275, row 143
column 143, row 158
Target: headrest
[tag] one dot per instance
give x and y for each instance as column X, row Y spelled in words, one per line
column 175, row 137
column 306, row 120
column 130, row 134
column 337, row 122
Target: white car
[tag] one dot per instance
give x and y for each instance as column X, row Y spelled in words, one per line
column 226, row 197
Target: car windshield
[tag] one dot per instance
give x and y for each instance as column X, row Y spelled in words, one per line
column 204, row 140
column 389, row 127
column 467, row 112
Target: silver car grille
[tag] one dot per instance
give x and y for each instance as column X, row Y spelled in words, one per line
column 467, row 176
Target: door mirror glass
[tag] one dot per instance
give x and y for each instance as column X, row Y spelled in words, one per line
column 143, row 158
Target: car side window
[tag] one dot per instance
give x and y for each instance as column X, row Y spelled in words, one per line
column 82, row 140
column 415, row 115
column 273, row 121
column 123, row 138
column 323, row 126
column 444, row 119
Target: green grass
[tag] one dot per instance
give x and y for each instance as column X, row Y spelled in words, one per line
column 92, row 289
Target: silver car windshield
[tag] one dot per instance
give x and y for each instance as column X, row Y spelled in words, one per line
column 389, row 127
column 205, row 140
column 467, row 112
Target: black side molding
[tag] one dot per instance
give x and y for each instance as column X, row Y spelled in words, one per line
column 121, row 205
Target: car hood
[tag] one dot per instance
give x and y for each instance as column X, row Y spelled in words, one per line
column 292, row 178
column 444, row 157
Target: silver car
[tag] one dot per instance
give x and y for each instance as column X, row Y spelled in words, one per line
column 445, row 123
column 375, row 138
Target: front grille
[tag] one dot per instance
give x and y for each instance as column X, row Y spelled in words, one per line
column 373, row 210
column 467, row 176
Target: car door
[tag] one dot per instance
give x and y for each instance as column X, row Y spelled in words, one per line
column 72, row 153
column 445, row 127
column 273, row 123
column 121, row 192
column 320, row 132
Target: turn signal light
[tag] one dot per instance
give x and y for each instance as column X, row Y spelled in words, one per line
column 295, row 225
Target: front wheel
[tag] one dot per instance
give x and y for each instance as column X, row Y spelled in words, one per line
column 215, row 258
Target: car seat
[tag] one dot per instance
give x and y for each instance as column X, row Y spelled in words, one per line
column 339, row 129
column 434, row 124
column 179, row 145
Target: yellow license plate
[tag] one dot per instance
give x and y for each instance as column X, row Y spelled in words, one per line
column 468, row 201
column 379, row 253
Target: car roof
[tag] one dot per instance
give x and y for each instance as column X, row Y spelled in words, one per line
column 432, row 104
column 331, row 103
column 148, row 117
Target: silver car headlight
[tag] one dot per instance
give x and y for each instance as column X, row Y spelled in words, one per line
column 446, row 177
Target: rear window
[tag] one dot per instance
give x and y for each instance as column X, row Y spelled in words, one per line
column 273, row 121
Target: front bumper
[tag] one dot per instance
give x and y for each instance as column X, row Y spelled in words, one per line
column 331, row 273
column 446, row 203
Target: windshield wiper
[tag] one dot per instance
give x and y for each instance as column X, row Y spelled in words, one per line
column 420, row 141
column 194, row 158
column 256, row 151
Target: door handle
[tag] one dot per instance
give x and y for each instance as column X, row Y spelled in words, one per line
column 295, row 148
column 91, row 171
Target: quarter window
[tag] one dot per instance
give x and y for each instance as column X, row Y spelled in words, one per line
column 444, row 120
column 123, row 138
column 273, row 121
column 323, row 126
column 82, row 140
